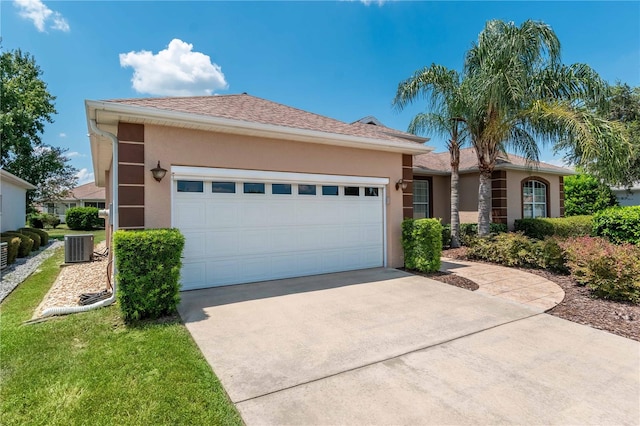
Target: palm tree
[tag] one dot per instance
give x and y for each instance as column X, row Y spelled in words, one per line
column 522, row 94
column 444, row 91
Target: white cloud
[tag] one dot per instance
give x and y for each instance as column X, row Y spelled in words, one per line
column 62, row 135
column 40, row 15
column 84, row 176
column 73, row 154
column 174, row 71
column 369, row 2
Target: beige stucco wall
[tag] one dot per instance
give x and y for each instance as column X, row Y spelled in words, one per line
column 441, row 198
column 514, row 194
column 187, row 147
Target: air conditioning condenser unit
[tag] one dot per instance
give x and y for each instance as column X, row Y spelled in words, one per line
column 78, row 248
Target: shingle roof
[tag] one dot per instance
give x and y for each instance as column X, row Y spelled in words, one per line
column 257, row 110
column 439, row 163
column 88, row 191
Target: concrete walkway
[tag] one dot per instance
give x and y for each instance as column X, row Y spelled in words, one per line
column 511, row 284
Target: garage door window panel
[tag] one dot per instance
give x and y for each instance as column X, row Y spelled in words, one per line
column 329, row 190
column 190, row 186
column 306, row 189
column 253, row 188
column 352, row 191
column 281, row 189
column 223, row 187
column 371, row 192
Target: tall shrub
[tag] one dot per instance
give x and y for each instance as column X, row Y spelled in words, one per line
column 422, row 244
column 148, row 264
column 618, row 224
column 26, row 243
column 610, row 271
column 82, row 218
column 13, row 245
column 586, row 195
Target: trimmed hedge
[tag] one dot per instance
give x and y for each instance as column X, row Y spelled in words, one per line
column 564, row 227
column 148, row 264
column 422, row 244
column 26, row 243
column 82, row 218
column 469, row 231
column 618, row 224
column 446, row 235
column 37, row 241
column 44, row 235
column 515, row 249
column 13, row 245
column 610, row 271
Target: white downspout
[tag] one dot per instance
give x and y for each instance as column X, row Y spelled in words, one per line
column 114, row 212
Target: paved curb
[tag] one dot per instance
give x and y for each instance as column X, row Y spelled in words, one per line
column 508, row 283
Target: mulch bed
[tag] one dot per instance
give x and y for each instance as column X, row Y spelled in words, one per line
column 579, row 306
column 448, row 278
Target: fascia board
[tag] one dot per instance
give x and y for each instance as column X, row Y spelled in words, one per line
column 226, row 125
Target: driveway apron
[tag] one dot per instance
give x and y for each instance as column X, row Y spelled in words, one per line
column 381, row 346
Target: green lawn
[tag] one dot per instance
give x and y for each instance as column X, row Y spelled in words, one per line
column 62, row 230
column 91, row 368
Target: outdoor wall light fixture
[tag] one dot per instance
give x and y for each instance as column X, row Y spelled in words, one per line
column 158, row 172
column 401, row 184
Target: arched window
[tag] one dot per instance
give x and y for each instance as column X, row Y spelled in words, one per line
column 535, row 198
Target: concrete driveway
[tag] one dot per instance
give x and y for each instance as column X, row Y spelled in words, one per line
column 381, row 346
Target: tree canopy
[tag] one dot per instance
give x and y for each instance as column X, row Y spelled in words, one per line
column 25, row 107
column 25, row 104
column 520, row 96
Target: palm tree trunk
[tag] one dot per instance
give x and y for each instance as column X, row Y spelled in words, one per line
column 455, row 205
column 484, row 202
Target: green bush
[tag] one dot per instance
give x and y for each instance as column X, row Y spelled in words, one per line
column 148, row 264
column 50, row 220
column 586, row 195
column 44, row 235
column 469, row 231
column 13, row 245
column 422, row 244
column 82, row 218
column 26, row 243
column 564, row 227
column 610, row 271
column 37, row 241
column 35, row 220
column 515, row 249
column 618, row 224
column 446, row 235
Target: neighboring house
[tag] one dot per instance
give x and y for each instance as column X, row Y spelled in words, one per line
column 260, row 190
column 519, row 190
column 13, row 201
column 627, row 196
column 87, row 195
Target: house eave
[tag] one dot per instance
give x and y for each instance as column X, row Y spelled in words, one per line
column 110, row 113
column 566, row 172
column 15, row 180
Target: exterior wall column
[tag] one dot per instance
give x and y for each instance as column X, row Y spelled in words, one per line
column 407, row 193
column 561, row 195
column 499, row 196
column 131, row 175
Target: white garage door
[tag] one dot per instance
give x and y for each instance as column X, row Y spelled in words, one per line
column 244, row 226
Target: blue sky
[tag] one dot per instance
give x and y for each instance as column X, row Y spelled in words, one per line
column 340, row 59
